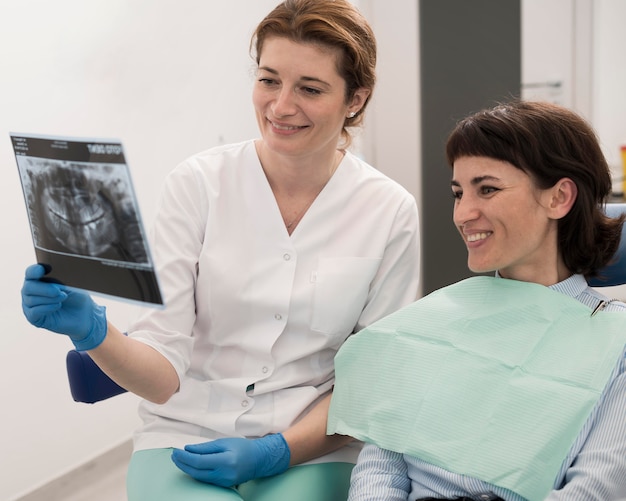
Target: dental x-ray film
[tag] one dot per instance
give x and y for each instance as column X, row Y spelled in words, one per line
column 84, row 216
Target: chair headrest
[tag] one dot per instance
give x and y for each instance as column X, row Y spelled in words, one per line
column 614, row 273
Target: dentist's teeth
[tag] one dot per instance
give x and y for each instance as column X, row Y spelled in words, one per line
column 477, row 236
column 284, row 127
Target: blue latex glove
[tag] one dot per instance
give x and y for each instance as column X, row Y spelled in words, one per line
column 59, row 309
column 233, row 461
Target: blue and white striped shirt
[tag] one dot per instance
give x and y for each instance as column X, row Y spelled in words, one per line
column 594, row 470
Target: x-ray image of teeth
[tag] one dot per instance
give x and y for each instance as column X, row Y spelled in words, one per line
column 83, row 209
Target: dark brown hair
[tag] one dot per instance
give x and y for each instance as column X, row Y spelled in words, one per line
column 549, row 142
column 335, row 24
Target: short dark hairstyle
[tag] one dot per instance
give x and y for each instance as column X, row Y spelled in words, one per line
column 549, row 142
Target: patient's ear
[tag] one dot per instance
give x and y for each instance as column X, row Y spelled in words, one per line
column 562, row 196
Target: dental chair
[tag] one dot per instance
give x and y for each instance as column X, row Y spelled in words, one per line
column 88, row 384
column 614, row 273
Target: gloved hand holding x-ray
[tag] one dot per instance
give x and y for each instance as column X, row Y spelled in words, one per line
column 63, row 310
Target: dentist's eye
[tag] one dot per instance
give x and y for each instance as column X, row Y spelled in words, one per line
column 267, row 81
column 311, row 91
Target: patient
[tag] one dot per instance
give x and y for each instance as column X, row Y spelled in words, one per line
column 510, row 387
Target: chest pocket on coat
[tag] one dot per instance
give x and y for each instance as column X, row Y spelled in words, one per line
column 341, row 288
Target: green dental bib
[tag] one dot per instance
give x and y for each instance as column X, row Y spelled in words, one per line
column 490, row 378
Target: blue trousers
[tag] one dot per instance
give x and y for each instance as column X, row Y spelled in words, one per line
column 152, row 476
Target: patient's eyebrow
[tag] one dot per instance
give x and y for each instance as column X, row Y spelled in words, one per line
column 476, row 180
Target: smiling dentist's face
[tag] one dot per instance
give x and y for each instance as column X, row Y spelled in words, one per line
column 299, row 97
column 504, row 220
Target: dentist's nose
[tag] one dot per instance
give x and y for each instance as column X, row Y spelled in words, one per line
column 284, row 105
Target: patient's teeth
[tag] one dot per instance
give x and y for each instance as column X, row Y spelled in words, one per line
column 477, row 236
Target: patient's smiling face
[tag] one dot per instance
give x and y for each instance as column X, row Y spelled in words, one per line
column 504, row 220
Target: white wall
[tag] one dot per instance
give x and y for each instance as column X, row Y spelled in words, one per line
column 582, row 44
column 547, row 51
column 169, row 79
column 391, row 139
column 609, row 77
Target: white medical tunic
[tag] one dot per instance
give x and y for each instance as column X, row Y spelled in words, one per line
column 254, row 316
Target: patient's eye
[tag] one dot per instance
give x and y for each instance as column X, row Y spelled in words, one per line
column 457, row 194
column 488, row 190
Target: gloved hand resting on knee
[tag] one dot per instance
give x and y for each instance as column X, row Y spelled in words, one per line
column 233, row 461
column 65, row 311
